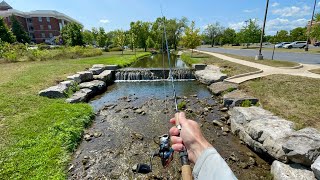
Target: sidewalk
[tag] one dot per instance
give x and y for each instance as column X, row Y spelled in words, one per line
column 267, row 70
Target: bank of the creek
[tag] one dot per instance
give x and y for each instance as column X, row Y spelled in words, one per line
column 130, row 115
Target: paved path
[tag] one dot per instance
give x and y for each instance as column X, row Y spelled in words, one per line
column 305, row 58
column 267, row 70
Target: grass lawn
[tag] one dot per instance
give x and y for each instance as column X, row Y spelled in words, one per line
column 317, row 71
column 37, row 134
column 268, row 62
column 229, row 68
column 291, row 97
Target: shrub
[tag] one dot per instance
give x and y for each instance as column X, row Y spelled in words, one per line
column 182, row 105
column 43, row 47
column 116, row 49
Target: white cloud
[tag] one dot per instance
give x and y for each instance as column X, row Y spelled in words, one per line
column 275, row 4
column 250, row 10
column 237, row 26
column 293, row 11
column 104, row 21
column 274, row 25
column 318, row 4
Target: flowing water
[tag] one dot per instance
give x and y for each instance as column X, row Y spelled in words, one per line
column 157, row 61
column 121, row 137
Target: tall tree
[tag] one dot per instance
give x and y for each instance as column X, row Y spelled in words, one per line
column 101, row 37
column 282, row 36
column 298, row 34
column 150, row 43
column 315, row 31
column 18, row 30
column 5, row 34
column 142, row 30
column 120, row 39
column 212, row 31
column 192, row 37
column 72, row 34
column 229, row 36
column 250, row 34
column 88, row 37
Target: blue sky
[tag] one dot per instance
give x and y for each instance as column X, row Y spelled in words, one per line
column 114, row 14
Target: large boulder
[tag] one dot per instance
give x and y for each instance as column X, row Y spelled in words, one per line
column 96, row 71
column 199, row 67
column 303, row 146
column 105, row 76
column 58, row 91
column 112, row 67
column 82, row 95
column 96, row 86
column 316, row 168
column 221, row 87
column 81, row 77
column 281, row 171
column 76, row 78
column 210, row 74
column 235, row 98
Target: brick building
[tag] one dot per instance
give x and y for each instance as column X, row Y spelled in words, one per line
column 43, row 26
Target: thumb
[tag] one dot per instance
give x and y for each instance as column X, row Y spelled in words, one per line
column 180, row 118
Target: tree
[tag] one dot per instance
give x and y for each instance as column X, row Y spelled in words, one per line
column 212, row 31
column 229, row 36
column 298, row 34
column 175, row 28
column 192, row 38
column 315, row 31
column 281, row 36
column 72, row 34
column 150, row 43
column 5, row 34
column 250, row 34
column 101, row 37
column 142, row 30
column 88, row 37
column 18, row 30
column 120, row 39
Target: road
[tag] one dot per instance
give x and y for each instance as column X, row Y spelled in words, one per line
column 305, row 58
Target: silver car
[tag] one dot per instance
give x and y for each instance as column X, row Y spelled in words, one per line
column 296, row 44
column 280, row 45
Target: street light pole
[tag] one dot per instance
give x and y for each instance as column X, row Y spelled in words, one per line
column 259, row 56
column 309, row 31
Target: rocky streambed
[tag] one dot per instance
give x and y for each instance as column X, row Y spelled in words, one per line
column 130, row 115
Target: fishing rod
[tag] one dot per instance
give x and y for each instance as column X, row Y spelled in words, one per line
column 165, row 152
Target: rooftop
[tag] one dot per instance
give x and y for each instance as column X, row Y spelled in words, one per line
column 4, row 6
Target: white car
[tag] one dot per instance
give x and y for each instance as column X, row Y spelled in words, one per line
column 296, row 44
column 280, row 45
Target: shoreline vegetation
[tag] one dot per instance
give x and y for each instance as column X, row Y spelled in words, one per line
column 37, row 134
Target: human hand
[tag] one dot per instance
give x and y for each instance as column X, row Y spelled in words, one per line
column 190, row 137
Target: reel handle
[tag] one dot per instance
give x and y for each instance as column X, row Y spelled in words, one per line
column 186, row 168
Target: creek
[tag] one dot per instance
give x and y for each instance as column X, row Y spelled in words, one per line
column 131, row 114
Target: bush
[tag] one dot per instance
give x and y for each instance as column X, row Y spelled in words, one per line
column 43, row 47
column 116, row 49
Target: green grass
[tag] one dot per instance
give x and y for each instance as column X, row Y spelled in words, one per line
column 317, row 71
column 37, row 134
column 268, row 62
column 292, row 97
column 228, row 67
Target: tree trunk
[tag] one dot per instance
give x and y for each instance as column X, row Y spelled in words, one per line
column 191, row 52
column 212, row 41
column 145, row 49
column 122, row 51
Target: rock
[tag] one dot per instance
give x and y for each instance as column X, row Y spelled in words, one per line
column 233, row 157
column 96, row 86
column 316, row 168
column 87, row 137
column 96, row 71
column 98, row 66
column 206, row 109
column 217, row 123
column 58, row 91
column 281, row 171
column 67, row 83
column 236, row 98
column 112, row 67
column 199, row 67
column 225, row 129
column 105, row 76
column 189, row 110
column 76, row 78
column 252, row 161
column 303, row 146
column 224, row 133
column 250, row 154
column 224, row 109
column 82, row 95
column 221, row 87
column 210, row 74
column 194, row 95
column 137, row 136
column 139, row 111
column 97, row 134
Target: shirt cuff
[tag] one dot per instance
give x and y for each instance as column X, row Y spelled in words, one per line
column 200, row 161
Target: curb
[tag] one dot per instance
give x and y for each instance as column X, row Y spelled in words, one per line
column 243, row 75
column 295, row 67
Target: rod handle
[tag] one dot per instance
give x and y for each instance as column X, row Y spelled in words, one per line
column 186, row 172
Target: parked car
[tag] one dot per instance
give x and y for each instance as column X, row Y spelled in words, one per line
column 316, row 44
column 296, row 44
column 280, row 45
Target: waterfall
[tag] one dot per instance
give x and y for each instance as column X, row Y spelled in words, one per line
column 152, row 74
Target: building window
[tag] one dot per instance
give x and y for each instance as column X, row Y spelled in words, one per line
column 48, row 19
column 41, row 27
column 29, row 20
column 49, row 27
column 40, row 19
column 50, row 35
column 43, row 35
column 31, row 28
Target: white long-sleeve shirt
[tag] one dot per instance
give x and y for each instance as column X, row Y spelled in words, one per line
column 211, row 166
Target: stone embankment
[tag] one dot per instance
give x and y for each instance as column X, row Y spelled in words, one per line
column 81, row 86
column 294, row 153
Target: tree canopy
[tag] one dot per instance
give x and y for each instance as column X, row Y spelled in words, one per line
column 5, row 34
column 18, row 30
column 192, row 37
column 72, row 34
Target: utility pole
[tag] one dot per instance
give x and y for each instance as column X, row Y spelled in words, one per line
column 259, row 56
column 274, row 47
column 309, row 31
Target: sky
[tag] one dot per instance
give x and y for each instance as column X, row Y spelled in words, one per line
column 117, row 14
